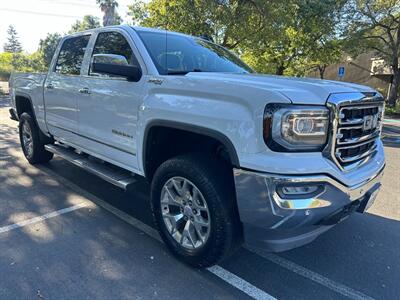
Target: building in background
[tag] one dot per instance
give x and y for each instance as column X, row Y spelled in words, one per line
column 366, row 69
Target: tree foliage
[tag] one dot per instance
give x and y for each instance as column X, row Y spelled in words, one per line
column 21, row 62
column 229, row 23
column 375, row 25
column 12, row 45
column 271, row 35
column 48, row 46
column 88, row 22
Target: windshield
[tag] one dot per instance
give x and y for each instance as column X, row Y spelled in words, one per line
column 175, row 54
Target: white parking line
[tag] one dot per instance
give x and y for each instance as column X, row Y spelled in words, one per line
column 240, row 283
column 41, row 218
column 222, row 273
column 313, row 276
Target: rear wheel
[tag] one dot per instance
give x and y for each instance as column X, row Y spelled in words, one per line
column 193, row 206
column 32, row 147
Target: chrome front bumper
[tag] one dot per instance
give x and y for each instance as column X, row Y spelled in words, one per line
column 278, row 223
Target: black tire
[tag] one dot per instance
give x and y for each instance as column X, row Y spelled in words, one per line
column 38, row 154
column 214, row 180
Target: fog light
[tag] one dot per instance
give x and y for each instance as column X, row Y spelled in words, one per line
column 299, row 190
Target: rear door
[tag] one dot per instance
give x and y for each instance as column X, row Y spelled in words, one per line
column 108, row 111
column 61, row 88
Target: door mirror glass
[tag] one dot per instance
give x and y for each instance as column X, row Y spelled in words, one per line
column 113, row 59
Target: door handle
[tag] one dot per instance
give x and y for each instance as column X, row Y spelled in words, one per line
column 49, row 86
column 84, row 90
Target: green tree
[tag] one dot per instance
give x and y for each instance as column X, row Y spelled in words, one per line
column 271, row 35
column 12, row 45
column 324, row 54
column 48, row 46
column 301, row 33
column 110, row 17
column 229, row 23
column 88, row 22
column 375, row 25
column 21, row 62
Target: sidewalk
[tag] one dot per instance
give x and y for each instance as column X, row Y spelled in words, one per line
column 391, row 131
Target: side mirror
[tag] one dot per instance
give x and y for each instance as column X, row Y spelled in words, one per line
column 117, row 65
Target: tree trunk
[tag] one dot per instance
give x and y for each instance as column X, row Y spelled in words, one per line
column 394, row 89
column 108, row 17
column 321, row 71
column 279, row 70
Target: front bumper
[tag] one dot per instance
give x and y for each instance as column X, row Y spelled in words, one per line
column 277, row 222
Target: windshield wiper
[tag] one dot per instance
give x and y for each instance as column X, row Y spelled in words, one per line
column 183, row 72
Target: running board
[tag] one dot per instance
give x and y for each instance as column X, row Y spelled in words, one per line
column 113, row 174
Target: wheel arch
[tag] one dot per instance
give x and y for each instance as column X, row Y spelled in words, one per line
column 185, row 128
column 24, row 104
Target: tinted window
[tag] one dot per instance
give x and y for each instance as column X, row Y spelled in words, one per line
column 114, row 45
column 70, row 59
column 179, row 54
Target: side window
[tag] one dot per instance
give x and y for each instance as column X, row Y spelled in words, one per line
column 70, row 58
column 112, row 48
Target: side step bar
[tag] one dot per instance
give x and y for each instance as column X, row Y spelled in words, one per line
column 108, row 172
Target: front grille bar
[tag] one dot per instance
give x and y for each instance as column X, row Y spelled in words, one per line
column 351, row 142
column 339, row 136
column 356, row 157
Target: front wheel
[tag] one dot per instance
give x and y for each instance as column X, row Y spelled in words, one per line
column 193, row 206
column 29, row 138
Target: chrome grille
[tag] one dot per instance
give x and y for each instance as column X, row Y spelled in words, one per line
column 356, row 128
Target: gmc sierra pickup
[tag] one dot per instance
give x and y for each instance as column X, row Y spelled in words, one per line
column 232, row 156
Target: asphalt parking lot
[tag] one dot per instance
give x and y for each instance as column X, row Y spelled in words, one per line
column 65, row 234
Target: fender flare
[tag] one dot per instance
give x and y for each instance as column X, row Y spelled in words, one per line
column 43, row 136
column 220, row 137
column 27, row 97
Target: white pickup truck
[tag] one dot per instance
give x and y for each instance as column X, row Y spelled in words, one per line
column 231, row 155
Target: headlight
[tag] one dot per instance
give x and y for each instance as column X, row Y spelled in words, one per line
column 294, row 128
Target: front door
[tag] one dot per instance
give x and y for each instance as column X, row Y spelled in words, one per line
column 61, row 89
column 108, row 107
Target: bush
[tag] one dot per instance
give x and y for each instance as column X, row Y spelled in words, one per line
column 20, row 62
column 393, row 111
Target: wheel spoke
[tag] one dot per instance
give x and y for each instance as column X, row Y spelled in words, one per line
column 185, row 212
column 185, row 188
column 177, row 187
column 201, row 222
column 187, row 232
column 170, row 199
column 199, row 233
column 174, row 220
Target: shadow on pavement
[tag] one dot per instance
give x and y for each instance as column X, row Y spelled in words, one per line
column 362, row 252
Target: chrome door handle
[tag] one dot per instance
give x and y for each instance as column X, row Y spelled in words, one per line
column 50, row 86
column 84, row 90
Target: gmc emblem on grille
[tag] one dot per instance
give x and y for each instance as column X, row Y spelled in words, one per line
column 370, row 122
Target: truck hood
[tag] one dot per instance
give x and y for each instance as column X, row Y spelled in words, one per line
column 297, row 90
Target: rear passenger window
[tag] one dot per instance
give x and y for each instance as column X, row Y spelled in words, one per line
column 112, row 48
column 70, row 58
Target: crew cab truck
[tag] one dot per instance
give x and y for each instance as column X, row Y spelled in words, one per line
column 232, row 156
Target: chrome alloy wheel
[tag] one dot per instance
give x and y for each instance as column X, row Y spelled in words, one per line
column 185, row 212
column 27, row 139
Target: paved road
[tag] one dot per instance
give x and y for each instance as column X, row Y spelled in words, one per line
column 103, row 246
